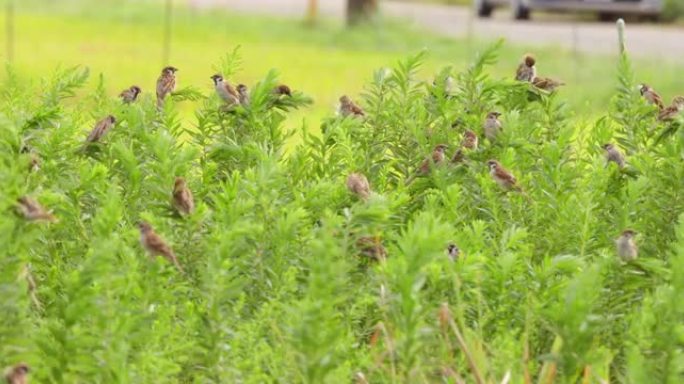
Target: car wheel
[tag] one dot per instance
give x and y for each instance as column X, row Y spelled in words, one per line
column 483, row 8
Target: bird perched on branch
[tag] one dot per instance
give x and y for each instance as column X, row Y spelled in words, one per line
column 526, row 70
column 225, row 90
column 358, row 184
column 613, row 155
column 673, row 110
column 31, row 210
column 17, row 374
column 503, row 177
column 458, row 156
column 437, row 157
column 349, row 108
column 101, row 128
column 651, row 96
column 182, row 197
column 546, row 83
column 155, row 245
column 470, row 140
column 371, row 247
column 130, row 95
column 492, row 125
column 626, row 247
column 166, row 83
column 453, row 251
column 243, row 94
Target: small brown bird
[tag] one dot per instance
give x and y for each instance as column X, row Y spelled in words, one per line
column 130, row 95
column 613, row 155
column 492, row 125
column 526, row 70
column 182, row 197
column 225, row 90
column 358, row 184
column 627, row 249
column 166, row 83
column 501, row 176
column 458, row 157
column 453, row 251
column 33, row 211
column 360, row 378
column 349, row 108
column 243, row 94
column 371, row 247
column 18, row 374
column 436, row 158
column 673, row 110
column 546, row 83
column 101, row 128
column 651, row 96
column 470, row 140
column 155, row 245
column 282, row 90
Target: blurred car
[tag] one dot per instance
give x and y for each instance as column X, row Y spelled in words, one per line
column 606, row 9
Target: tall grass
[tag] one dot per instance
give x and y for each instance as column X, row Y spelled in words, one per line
column 276, row 287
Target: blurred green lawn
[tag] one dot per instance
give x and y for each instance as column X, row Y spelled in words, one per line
column 122, row 40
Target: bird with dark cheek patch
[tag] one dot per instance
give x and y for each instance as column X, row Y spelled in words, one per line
column 526, row 70
column 504, row 178
column 349, row 108
column 155, row 245
column 453, row 251
column 31, row 210
column 166, row 83
column 470, row 140
column 17, row 374
column 183, row 200
column 626, row 247
column 492, row 126
column 651, row 96
column 613, row 155
column 358, row 184
column 225, row 90
column 130, row 95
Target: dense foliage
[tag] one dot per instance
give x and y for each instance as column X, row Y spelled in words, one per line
column 276, row 285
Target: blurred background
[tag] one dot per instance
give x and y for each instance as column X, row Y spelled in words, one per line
column 326, row 48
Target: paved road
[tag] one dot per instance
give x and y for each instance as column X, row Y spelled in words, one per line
column 656, row 42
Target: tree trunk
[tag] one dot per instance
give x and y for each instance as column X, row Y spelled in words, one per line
column 359, row 11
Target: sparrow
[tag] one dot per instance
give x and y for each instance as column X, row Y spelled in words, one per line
column 155, row 245
column 349, row 108
column 436, row 158
column 627, row 249
column 501, row 176
column 30, row 284
column 225, row 91
column 243, row 94
column 282, row 90
column 613, row 155
column 453, row 251
column 546, row 83
column 526, row 70
column 17, row 374
column 469, row 140
column 458, row 157
column 166, row 83
column 33, row 211
column 371, row 247
column 651, row 96
column 357, row 184
column 492, row 125
column 360, row 378
column 673, row 110
column 182, row 197
column 101, row 128
column 130, row 95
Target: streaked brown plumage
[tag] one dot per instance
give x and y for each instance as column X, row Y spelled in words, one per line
column 155, row 245
column 31, row 210
column 470, row 140
column 101, row 128
column 130, row 95
column 243, row 94
column 673, row 110
column 31, row 284
column 349, row 108
column 651, row 96
column 166, row 83
column 225, row 90
column 546, row 83
column 526, row 70
column 17, row 374
column 502, row 177
column 371, row 246
column 436, row 158
column 358, row 184
column 282, row 89
column 453, row 251
column 613, row 155
column 182, row 197
column 458, row 157
column 627, row 248
column 492, row 126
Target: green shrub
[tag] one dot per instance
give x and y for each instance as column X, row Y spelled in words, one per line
column 276, row 287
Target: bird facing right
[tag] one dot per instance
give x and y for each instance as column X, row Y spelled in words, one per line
column 130, row 95
column 101, row 128
column 166, row 83
column 182, row 197
column 626, row 247
column 492, row 125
